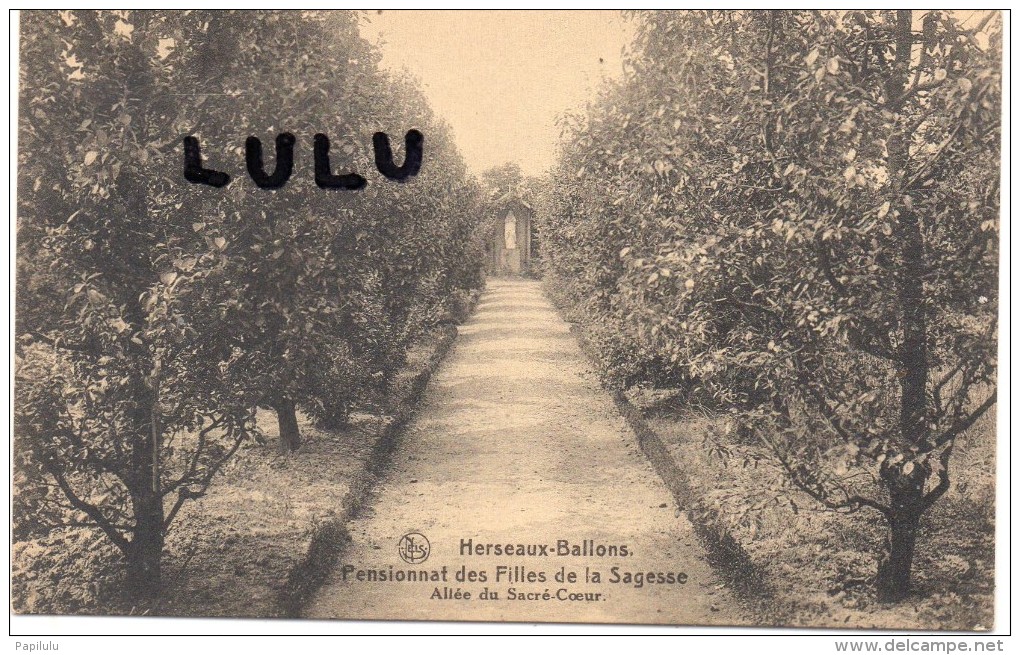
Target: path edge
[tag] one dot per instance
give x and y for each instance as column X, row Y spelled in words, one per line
column 331, row 538
column 724, row 553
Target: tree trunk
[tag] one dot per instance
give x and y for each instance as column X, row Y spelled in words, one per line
column 146, row 548
column 290, row 434
column 913, row 349
column 893, row 582
column 906, row 489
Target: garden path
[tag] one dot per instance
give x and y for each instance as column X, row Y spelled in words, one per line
column 517, row 443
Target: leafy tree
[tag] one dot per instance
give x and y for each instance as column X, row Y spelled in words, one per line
column 119, row 400
column 798, row 211
column 334, row 284
column 505, row 178
column 286, row 292
column 154, row 314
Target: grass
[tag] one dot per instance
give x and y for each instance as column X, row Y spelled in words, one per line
column 817, row 568
column 821, row 565
column 231, row 552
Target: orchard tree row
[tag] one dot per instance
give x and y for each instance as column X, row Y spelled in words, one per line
column 155, row 315
column 794, row 215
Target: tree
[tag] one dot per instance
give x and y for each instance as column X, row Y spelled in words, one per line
column 119, row 400
column 332, row 285
column 286, row 293
column 154, row 314
column 804, row 224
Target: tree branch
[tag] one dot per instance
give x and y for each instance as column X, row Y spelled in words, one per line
column 90, row 510
column 961, row 425
column 186, row 493
column 193, row 464
column 925, row 168
column 851, row 503
column 943, row 486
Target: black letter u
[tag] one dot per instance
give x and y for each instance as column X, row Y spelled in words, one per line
column 284, row 161
column 413, row 153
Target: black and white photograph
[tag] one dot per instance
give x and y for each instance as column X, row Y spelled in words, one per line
column 679, row 318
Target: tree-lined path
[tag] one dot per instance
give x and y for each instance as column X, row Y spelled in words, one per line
column 517, row 443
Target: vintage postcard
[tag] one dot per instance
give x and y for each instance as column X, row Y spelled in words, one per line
column 682, row 318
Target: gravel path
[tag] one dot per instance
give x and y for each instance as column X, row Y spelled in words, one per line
column 517, row 444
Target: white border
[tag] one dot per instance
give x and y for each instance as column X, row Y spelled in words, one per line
column 788, row 641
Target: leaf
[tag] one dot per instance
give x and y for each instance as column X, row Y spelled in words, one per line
column 220, row 243
column 812, row 57
column 91, row 156
column 168, row 277
column 833, row 65
column 186, row 263
column 197, row 227
column 884, row 209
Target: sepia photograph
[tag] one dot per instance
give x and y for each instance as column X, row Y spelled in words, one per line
column 646, row 317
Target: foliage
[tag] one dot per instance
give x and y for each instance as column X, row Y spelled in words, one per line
column 154, row 315
column 389, row 251
column 797, row 214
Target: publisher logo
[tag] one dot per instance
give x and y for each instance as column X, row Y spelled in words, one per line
column 414, row 548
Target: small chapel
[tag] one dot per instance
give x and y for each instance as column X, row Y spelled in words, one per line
column 513, row 243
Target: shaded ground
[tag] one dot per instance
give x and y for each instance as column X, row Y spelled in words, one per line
column 234, row 549
column 517, row 444
column 229, row 553
column 238, row 545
